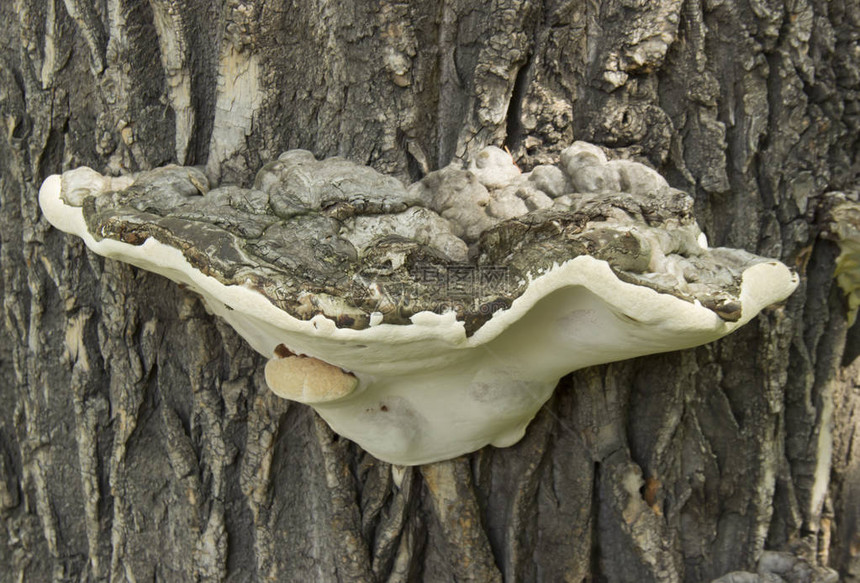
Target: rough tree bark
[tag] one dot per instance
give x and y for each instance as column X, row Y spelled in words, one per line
column 137, row 438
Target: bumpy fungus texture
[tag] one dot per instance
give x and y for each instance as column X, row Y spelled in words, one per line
column 427, row 321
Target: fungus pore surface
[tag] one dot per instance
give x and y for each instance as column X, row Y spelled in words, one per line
column 427, row 321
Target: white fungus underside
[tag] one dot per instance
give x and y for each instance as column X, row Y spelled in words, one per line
column 426, row 391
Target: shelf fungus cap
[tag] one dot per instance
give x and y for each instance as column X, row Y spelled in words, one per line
column 427, row 321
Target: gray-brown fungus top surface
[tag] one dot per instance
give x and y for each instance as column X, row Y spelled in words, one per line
column 335, row 238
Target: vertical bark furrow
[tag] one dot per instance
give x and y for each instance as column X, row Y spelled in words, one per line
column 391, row 543
column 169, row 20
column 522, row 524
column 238, row 94
column 565, row 532
column 91, row 28
column 637, row 545
column 456, row 515
column 842, row 512
column 132, row 88
column 90, row 411
column 127, row 386
column 255, row 479
column 350, row 553
column 490, row 52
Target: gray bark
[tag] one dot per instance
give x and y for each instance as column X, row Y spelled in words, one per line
column 138, row 440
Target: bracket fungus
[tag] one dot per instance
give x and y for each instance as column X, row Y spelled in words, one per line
column 428, row 321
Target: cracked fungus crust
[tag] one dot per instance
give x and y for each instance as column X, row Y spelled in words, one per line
column 427, row 321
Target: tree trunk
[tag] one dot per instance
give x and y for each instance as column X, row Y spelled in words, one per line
column 138, row 440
